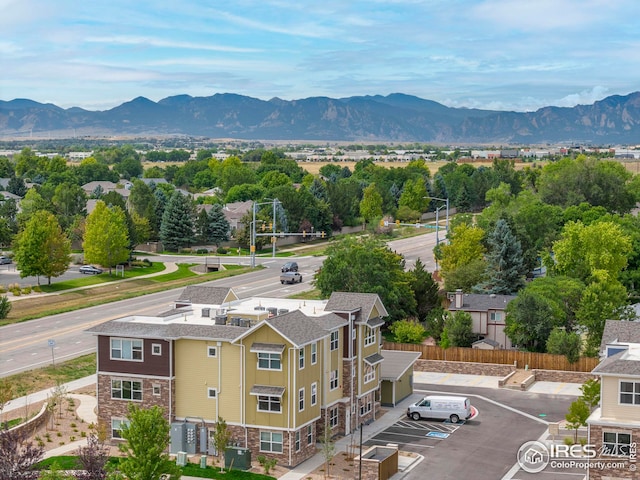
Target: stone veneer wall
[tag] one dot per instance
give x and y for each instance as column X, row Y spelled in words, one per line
column 493, row 369
column 562, row 376
column 595, row 438
column 108, row 407
column 31, row 426
column 288, row 444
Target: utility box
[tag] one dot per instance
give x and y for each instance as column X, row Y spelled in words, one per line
column 190, row 444
column 177, row 438
column 237, row 458
column 204, row 432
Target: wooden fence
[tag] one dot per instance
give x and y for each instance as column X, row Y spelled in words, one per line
column 543, row 361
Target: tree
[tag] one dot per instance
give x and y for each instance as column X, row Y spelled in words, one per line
column 425, row 290
column 17, row 186
column 561, row 342
column 591, row 393
column 407, row 331
column 459, row 329
column 328, row 450
column 5, row 306
column 177, row 229
column 146, row 436
column 42, row 249
column 465, row 246
column 93, row 458
column 529, row 321
column 577, row 416
column 106, row 238
column 221, row 437
column 371, row 203
column 56, row 472
column 218, row 225
column 367, row 265
column 18, row 455
column 414, row 195
column 505, row 270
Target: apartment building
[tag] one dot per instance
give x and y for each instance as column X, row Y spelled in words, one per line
column 280, row 372
column 614, row 427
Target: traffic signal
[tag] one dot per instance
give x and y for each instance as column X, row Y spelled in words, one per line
column 398, row 223
column 322, row 234
column 270, row 226
column 263, row 227
column 304, row 233
column 382, row 223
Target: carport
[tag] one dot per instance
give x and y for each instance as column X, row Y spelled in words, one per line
column 396, row 373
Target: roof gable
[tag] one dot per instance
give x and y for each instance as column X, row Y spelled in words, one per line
column 367, row 303
column 619, row 331
column 479, row 302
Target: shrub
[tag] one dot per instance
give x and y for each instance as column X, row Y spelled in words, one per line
column 222, row 251
column 185, row 250
column 202, row 251
column 267, row 463
column 26, row 290
column 408, row 331
column 16, row 292
column 5, row 306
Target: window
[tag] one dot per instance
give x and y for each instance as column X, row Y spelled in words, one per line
column 268, row 403
column 212, row 351
column 116, row 427
column 333, row 381
column 314, row 393
column 496, row 316
column 309, row 435
column 630, row 393
column 212, row 392
column 369, row 374
column 354, row 332
column 126, row 390
column 301, row 399
column 365, row 407
column 123, row 349
column 314, row 353
column 370, row 337
column 269, row 361
column 301, row 358
column 156, row 389
column 156, row 349
column 334, row 340
column 206, row 312
column 353, row 371
column 333, row 417
column 298, row 441
column 271, row 442
column 616, row 444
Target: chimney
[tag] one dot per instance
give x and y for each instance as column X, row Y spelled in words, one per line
column 459, row 298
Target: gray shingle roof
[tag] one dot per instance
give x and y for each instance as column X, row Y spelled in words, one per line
column 267, row 347
column 267, row 390
column 488, row 341
column 349, row 302
column 619, row 364
column 172, row 331
column 330, row 321
column 297, row 327
column 620, row 331
column 479, row 302
column 374, row 359
column 396, row 363
column 206, row 295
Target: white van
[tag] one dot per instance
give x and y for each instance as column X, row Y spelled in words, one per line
column 441, row 407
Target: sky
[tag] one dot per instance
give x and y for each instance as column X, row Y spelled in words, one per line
column 493, row 54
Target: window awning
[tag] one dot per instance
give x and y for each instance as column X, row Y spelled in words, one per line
column 375, row 322
column 268, row 390
column 267, row 348
column 374, row 359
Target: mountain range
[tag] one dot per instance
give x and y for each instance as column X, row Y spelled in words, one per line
column 396, row 117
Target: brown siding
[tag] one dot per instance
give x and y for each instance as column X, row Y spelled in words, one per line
column 152, row 364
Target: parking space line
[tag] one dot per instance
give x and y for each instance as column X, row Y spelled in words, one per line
column 384, row 442
column 401, row 435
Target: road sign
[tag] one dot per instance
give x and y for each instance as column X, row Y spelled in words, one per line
column 51, row 343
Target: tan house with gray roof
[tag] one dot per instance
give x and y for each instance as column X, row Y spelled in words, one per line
column 280, row 372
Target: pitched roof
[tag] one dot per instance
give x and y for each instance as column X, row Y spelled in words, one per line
column 206, row 295
column 623, row 363
column 351, row 302
column 488, row 341
column 296, row 327
column 396, row 363
column 619, row 331
column 171, row 331
column 374, row 359
column 482, row 302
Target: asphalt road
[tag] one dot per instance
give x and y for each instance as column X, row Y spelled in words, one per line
column 24, row 346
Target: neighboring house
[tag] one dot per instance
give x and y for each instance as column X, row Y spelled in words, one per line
column 106, row 186
column 278, row 371
column 396, row 374
column 614, row 427
column 154, row 181
column 486, row 344
column 487, row 312
column 233, row 212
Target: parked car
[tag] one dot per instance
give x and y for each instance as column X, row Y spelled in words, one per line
column 5, row 260
column 441, row 407
column 290, row 267
column 290, row 277
column 90, row 270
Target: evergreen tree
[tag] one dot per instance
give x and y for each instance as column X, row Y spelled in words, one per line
column 425, row 290
column 177, row 228
column 219, row 228
column 505, row 269
column 459, row 329
column 159, row 208
column 202, row 227
column 17, row 186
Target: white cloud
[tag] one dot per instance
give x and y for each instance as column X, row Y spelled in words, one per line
column 156, row 42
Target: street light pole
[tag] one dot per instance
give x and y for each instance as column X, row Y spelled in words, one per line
column 252, row 248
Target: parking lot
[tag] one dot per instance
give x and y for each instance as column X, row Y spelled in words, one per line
column 483, row 448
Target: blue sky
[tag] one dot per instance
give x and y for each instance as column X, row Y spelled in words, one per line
column 498, row 54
